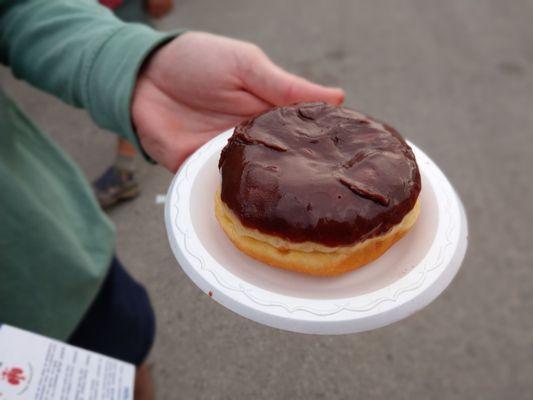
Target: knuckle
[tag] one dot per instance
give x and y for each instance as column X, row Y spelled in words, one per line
column 253, row 49
column 288, row 92
column 248, row 64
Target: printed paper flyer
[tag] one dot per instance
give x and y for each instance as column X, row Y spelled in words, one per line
column 38, row 368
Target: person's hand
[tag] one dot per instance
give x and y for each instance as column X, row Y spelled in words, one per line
column 158, row 8
column 199, row 85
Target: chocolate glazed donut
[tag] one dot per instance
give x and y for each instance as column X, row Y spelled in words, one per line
column 317, row 189
column 317, row 173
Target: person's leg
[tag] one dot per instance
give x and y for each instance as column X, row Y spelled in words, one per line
column 120, row 323
column 118, row 183
column 126, row 153
column 144, row 385
column 125, row 148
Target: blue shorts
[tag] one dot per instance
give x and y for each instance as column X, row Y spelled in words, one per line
column 120, row 323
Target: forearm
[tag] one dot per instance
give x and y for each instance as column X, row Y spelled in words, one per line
column 78, row 51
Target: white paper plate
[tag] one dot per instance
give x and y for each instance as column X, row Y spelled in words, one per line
column 405, row 279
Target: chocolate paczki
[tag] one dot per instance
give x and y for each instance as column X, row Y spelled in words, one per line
column 314, row 172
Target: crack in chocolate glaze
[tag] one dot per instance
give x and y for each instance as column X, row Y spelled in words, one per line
column 363, row 191
column 357, row 158
column 247, row 139
column 314, row 172
column 303, row 115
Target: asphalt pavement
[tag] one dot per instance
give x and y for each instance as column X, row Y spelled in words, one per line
column 456, row 78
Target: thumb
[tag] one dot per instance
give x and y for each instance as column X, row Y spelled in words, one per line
column 275, row 85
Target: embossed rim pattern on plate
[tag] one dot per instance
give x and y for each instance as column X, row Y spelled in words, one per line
column 331, row 316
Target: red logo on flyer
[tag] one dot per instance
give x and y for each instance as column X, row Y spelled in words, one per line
column 13, row 376
column 112, row 4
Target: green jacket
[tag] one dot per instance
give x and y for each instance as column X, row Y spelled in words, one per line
column 55, row 242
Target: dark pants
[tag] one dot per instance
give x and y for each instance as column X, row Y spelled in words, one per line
column 120, row 322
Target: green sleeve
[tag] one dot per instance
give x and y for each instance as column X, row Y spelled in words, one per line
column 79, row 51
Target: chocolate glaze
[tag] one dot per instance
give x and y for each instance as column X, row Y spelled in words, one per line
column 314, row 172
